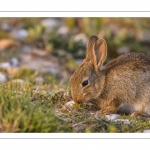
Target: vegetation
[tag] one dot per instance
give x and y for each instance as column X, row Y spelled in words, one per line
column 37, row 58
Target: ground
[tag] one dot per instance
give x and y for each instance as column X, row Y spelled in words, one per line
column 37, row 58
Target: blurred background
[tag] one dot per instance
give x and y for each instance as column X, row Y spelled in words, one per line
column 49, row 49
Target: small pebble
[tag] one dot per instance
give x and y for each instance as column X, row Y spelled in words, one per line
column 14, row 62
column 2, row 78
column 5, row 26
column 68, row 107
column 39, row 80
column 62, row 90
column 146, row 131
column 19, row 33
column 63, row 30
column 125, row 121
column 70, row 104
column 81, row 37
column 123, row 50
column 5, row 65
column 112, row 116
column 26, row 48
column 51, row 23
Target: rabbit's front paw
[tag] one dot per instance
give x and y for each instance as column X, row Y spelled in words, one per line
column 109, row 110
column 91, row 106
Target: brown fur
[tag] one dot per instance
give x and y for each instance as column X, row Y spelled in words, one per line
column 123, row 85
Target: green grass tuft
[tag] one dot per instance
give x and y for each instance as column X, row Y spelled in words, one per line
column 19, row 114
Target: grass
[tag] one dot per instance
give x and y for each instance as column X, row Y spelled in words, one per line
column 28, row 106
column 24, row 110
column 40, row 107
column 83, row 121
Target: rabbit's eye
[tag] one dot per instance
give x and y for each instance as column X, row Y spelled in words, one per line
column 84, row 83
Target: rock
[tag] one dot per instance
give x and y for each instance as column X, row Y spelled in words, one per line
column 19, row 34
column 5, row 65
column 61, row 52
column 63, row 30
column 53, row 71
column 123, row 50
column 2, row 78
column 81, row 37
column 5, row 26
column 62, row 90
column 112, row 116
column 14, row 62
column 11, row 67
column 79, row 61
column 39, row 80
column 47, row 63
column 68, row 107
column 146, row 131
column 125, row 121
column 27, row 48
column 51, row 23
column 70, row 104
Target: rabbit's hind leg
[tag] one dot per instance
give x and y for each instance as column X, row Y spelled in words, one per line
column 139, row 115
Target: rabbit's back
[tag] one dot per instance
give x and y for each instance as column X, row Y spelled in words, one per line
column 128, row 80
column 132, row 60
column 133, row 67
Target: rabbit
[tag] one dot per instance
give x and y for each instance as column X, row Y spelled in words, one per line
column 120, row 86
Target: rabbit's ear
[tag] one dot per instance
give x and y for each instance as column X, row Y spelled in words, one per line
column 100, row 51
column 89, row 51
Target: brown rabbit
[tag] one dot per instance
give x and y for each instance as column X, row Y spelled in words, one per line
column 122, row 85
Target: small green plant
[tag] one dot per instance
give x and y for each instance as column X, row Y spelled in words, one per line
column 19, row 114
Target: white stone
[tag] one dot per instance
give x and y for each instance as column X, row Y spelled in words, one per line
column 70, row 104
column 51, row 23
column 5, row 65
column 19, row 33
column 2, row 78
column 14, row 62
column 112, row 116
column 27, row 48
column 125, row 121
column 5, row 26
column 63, row 30
column 146, row 131
column 81, row 37
column 123, row 50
